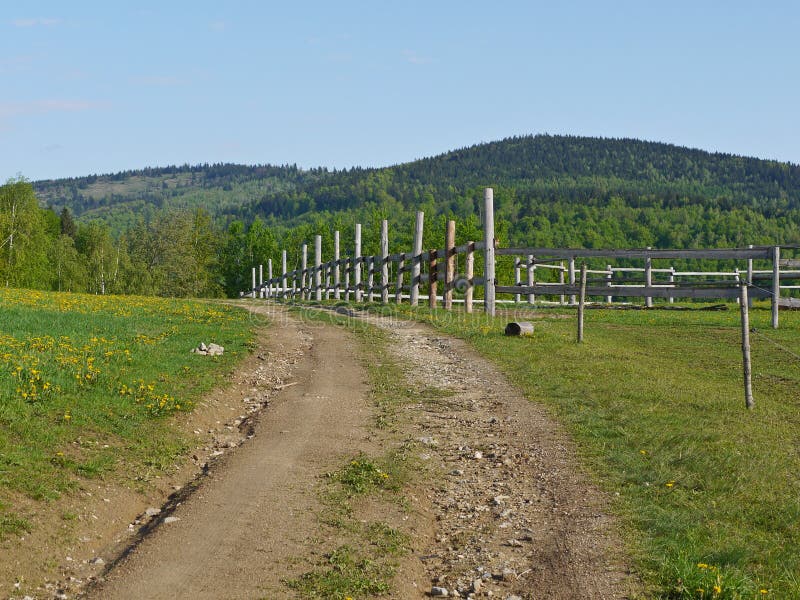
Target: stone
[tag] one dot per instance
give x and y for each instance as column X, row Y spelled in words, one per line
column 215, row 350
column 439, row 591
column 171, row 519
column 97, row 561
column 152, row 511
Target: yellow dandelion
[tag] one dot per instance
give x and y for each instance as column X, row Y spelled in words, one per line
column 763, row 592
column 669, row 484
column 717, row 589
column 702, row 566
column 67, row 416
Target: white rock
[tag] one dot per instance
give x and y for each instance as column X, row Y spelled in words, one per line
column 152, row 511
column 171, row 519
column 439, row 591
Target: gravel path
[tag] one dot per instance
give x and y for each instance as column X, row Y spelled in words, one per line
column 513, row 512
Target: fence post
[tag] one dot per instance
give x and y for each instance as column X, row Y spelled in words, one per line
column 531, row 278
column 672, row 283
column 303, row 278
column 384, row 262
column 776, row 284
column 347, row 262
column 371, row 279
column 337, row 282
column 747, row 368
column 581, row 303
column 269, row 277
column 517, row 279
column 750, row 273
column 416, row 260
column 357, row 264
column 433, row 277
column 469, row 273
column 398, row 291
column 283, row 274
column 260, row 281
column 572, row 278
column 318, row 268
column 253, row 293
column 648, row 279
column 609, row 277
column 450, row 264
column 488, row 238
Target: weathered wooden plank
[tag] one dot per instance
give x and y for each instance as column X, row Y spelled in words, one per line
column 656, row 253
column 637, row 292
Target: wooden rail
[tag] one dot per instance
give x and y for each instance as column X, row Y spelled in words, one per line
column 399, row 276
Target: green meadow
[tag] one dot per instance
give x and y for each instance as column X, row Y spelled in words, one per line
column 88, row 384
column 707, row 492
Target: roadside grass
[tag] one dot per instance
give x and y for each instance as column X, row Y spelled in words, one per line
column 708, row 492
column 87, row 385
column 364, row 561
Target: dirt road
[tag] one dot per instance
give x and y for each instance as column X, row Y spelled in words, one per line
column 500, row 509
column 236, row 535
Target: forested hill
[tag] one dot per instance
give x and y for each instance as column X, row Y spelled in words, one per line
column 527, row 170
column 197, row 231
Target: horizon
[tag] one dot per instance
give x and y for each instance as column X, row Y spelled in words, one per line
column 95, row 88
column 434, row 156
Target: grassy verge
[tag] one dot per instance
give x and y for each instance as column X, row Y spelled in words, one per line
column 87, row 384
column 362, row 562
column 708, row 492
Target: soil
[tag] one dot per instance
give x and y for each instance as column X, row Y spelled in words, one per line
column 502, row 507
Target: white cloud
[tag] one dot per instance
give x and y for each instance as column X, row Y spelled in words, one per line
column 39, row 22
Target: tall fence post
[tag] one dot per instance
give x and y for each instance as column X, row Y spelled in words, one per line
column 337, row 283
column 776, row 284
column 746, row 366
column 304, row 295
column 517, row 277
column 384, row 262
column 648, row 279
column 260, row 280
column 283, row 274
column 488, row 238
column 416, row 259
column 318, row 268
column 357, row 264
column 469, row 275
column 253, row 293
column 609, row 276
column 450, row 264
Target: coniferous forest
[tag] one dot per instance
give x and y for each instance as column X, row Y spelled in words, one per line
column 197, row 230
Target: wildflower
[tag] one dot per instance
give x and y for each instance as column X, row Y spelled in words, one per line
column 67, row 416
column 717, row 589
column 669, row 484
column 642, row 452
column 702, row 566
column 763, row 592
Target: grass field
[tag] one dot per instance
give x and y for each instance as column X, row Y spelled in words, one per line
column 87, row 385
column 708, row 493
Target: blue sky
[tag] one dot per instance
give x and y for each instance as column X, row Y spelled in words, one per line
column 97, row 87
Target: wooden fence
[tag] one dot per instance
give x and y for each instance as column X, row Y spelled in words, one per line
column 401, row 276
column 397, row 277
